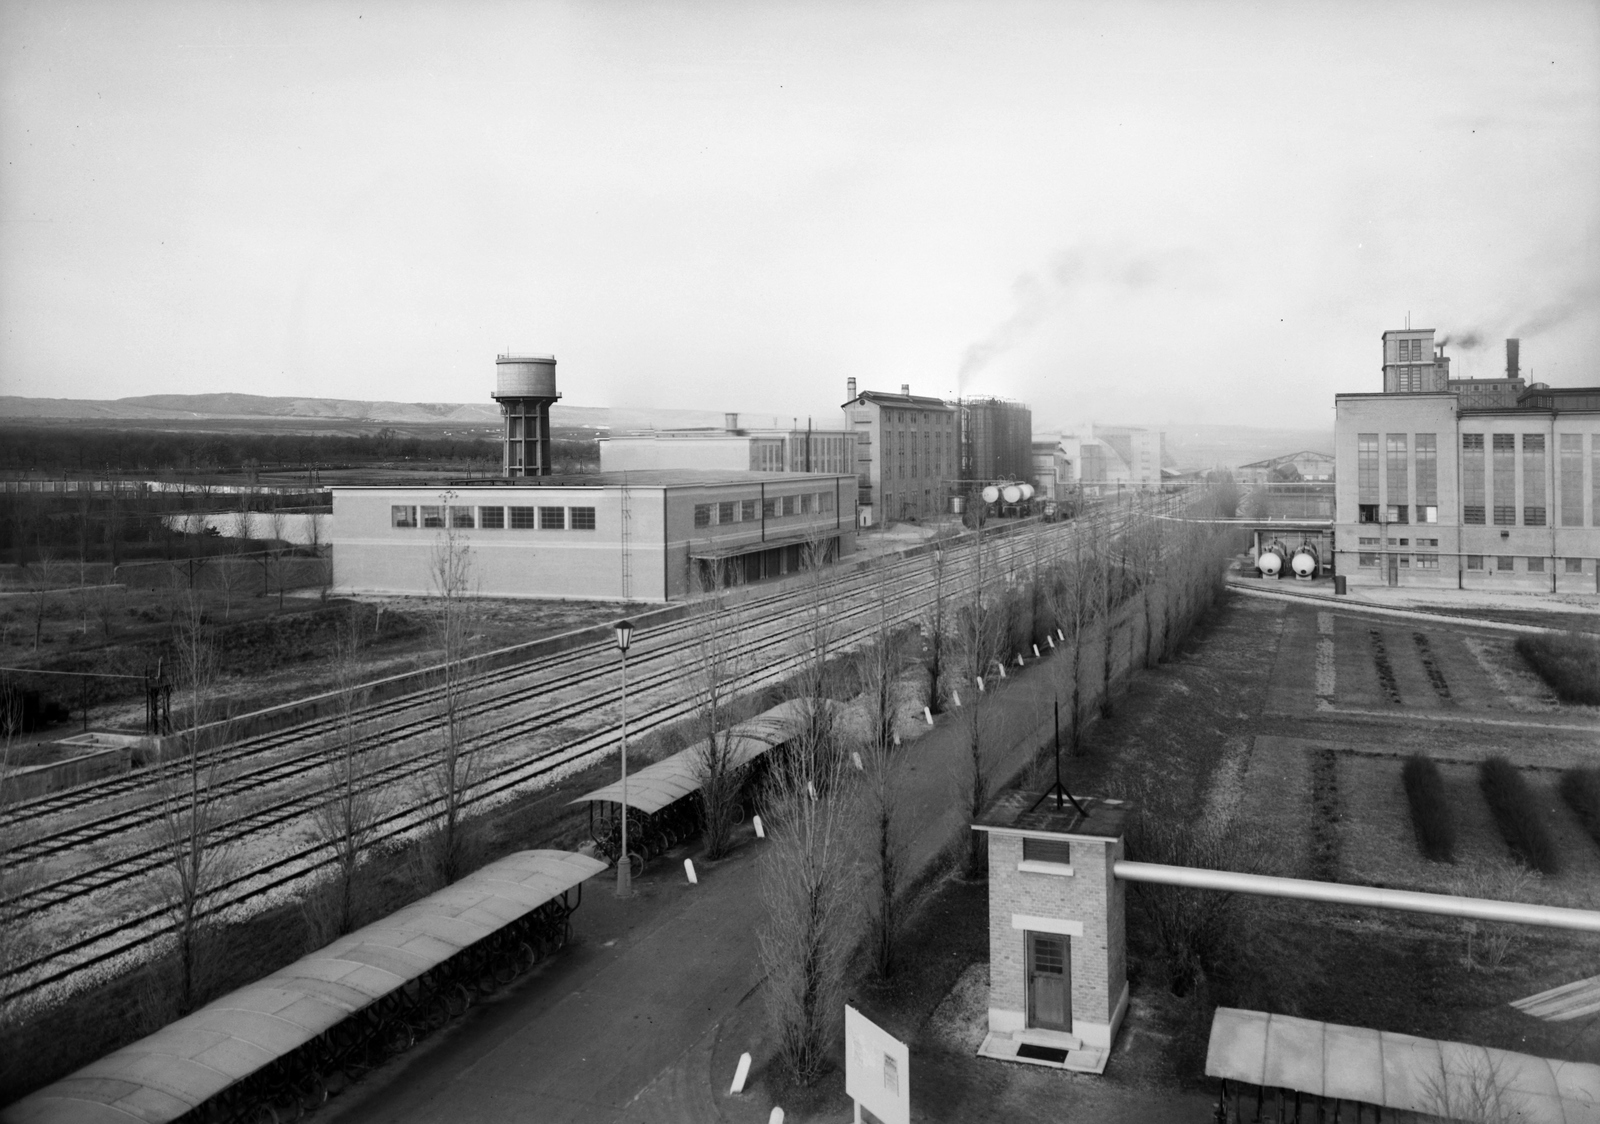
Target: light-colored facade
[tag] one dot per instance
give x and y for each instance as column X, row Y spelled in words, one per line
column 1431, row 492
column 731, row 450
column 1052, row 469
column 1411, row 364
column 653, row 536
column 907, row 451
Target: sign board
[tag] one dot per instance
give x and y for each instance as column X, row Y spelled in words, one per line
column 877, row 1070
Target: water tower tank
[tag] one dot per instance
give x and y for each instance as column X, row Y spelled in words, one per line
column 525, row 387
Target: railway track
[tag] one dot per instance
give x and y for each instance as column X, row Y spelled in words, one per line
column 767, row 632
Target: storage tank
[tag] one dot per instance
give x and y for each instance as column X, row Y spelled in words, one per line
column 1027, row 491
column 1305, row 562
column 1271, row 559
column 990, row 494
column 525, row 387
column 1012, row 493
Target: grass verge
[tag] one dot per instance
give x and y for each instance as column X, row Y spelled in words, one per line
column 1518, row 815
column 1430, row 811
column 1568, row 663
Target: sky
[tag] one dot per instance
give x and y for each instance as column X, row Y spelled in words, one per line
column 1155, row 213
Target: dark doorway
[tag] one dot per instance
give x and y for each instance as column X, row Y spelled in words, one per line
column 1049, row 981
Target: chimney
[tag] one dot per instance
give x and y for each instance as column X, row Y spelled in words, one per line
column 850, row 389
column 730, row 422
column 905, row 389
column 1512, row 347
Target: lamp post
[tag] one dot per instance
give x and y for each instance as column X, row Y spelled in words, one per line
column 624, row 874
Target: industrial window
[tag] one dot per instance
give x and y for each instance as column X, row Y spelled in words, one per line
column 1397, row 513
column 1505, row 515
column 433, row 516
column 1473, row 501
column 523, row 518
column 462, row 517
column 1427, row 542
column 1471, row 441
column 1574, row 565
column 789, row 505
column 1505, row 563
column 1398, row 485
column 1535, row 565
column 702, row 515
column 583, row 519
column 825, row 501
column 552, row 519
column 1427, row 561
column 1405, row 561
column 1367, row 468
column 747, row 510
column 1427, row 469
column 1428, row 514
column 805, row 504
column 1369, row 542
column 1570, row 475
column 1368, row 513
column 1533, row 480
column 1474, row 561
column 1399, row 542
column 725, row 512
column 492, row 518
column 1472, row 513
column 769, row 509
column 1367, row 559
column 1047, row 851
column 1505, row 478
column 403, row 515
column 1533, row 516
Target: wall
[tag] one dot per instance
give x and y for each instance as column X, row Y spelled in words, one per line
column 717, row 451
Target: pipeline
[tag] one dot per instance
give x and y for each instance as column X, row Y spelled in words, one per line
column 1410, row 901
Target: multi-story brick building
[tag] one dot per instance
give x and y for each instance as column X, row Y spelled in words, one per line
column 1436, row 487
column 907, row 453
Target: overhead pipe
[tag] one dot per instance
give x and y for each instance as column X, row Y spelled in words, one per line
column 1410, row 901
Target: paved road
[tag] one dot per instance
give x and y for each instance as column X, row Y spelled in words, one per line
column 621, row 1026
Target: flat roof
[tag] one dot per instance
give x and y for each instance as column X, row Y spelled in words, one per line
column 1024, row 812
column 643, row 478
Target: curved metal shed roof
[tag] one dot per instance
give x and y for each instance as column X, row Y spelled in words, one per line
column 183, row 1065
column 655, row 786
column 1395, row 1070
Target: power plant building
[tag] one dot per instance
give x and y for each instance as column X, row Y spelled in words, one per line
column 1456, row 488
column 907, row 450
column 732, row 449
column 996, row 440
column 647, row 535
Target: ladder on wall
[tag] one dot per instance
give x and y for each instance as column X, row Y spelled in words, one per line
column 627, row 554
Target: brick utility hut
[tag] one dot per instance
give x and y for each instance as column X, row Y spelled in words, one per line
column 1058, row 981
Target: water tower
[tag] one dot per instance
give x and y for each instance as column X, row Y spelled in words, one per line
column 525, row 387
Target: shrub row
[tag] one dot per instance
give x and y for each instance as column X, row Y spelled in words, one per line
column 1430, row 811
column 1569, row 663
column 1580, row 788
column 1518, row 815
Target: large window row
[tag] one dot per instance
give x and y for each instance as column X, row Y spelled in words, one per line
column 773, row 507
column 492, row 518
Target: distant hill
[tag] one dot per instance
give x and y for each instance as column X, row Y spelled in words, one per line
column 230, row 411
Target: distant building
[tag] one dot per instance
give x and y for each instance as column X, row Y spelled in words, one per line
column 1052, row 469
column 732, row 449
column 996, row 440
column 1454, row 488
column 907, row 453
column 1304, row 465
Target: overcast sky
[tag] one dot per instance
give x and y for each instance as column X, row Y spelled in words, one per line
column 1158, row 213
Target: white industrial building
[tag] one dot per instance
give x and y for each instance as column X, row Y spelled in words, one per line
column 731, row 449
column 1443, row 487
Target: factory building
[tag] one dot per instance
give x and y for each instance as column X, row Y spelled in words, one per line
column 996, row 440
column 1447, row 488
column 731, row 448
column 649, row 535
column 1053, row 469
column 907, row 450
column 1305, row 465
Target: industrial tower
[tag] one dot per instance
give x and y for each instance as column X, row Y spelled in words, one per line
column 525, row 387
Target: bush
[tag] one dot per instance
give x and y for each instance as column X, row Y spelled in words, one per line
column 1430, row 811
column 1580, row 788
column 1569, row 663
column 1518, row 815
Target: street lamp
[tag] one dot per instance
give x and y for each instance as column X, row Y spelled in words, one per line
column 624, row 874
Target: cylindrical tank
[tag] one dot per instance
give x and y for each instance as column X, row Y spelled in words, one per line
column 990, row 494
column 1027, row 491
column 1012, row 493
column 1270, row 561
column 525, row 376
column 1305, row 561
column 958, row 505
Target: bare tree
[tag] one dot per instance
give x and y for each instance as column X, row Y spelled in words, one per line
column 16, row 943
column 714, row 664
column 808, row 885
column 936, row 626
column 817, row 647
column 1073, row 594
column 277, row 529
column 978, row 635
column 353, row 805
column 455, row 620
column 196, row 861
column 230, row 574
column 883, row 838
column 42, row 578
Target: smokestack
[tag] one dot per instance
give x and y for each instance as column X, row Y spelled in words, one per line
column 730, row 422
column 905, row 389
column 850, row 389
column 1512, row 347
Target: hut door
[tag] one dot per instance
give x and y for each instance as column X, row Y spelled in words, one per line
column 1394, row 569
column 1049, row 981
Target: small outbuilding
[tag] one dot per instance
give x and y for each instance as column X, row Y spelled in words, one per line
column 1058, row 981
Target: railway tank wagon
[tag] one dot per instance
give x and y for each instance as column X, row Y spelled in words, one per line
column 1270, row 562
column 1305, row 561
column 267, row 1050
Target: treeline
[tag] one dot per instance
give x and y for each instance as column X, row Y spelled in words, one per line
column 96, row 450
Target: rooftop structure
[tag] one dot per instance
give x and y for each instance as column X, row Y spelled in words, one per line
column 732, row 448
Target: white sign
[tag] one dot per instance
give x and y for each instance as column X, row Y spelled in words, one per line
column 877, row 1070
